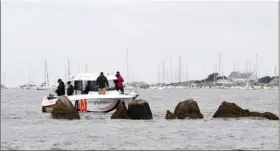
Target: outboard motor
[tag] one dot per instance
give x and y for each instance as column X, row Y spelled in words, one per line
column 51, row 96
column 135, row 96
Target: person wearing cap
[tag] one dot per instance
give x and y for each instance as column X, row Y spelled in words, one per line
column 70, row 89
column 119, row 82
column 102, row 83
column 61, row 88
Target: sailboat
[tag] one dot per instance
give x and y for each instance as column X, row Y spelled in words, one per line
column 45, row 84
column 30, row 84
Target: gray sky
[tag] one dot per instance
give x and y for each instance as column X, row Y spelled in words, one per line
column 97, row 34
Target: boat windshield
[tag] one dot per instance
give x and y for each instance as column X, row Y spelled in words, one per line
column 86, row 86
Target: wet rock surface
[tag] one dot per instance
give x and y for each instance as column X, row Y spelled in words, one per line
column 187, row 109
column 121, row 112
column 137, row 110
column 231, row 110
column 64, row 109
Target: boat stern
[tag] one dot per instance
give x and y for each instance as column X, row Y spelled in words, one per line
column 48, row 104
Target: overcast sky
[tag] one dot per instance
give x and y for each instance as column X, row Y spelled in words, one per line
column 98, row 33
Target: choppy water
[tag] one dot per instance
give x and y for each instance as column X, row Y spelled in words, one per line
column 23, row 126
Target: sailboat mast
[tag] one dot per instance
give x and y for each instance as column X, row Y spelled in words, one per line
column 171, row 77
column 219, row 64
column 247, row 66
column 163, row 80
column 187, row 72
column 167, row 77
column 250, row 67
column 215, row 78
column 238, row 65
column 205, row 78
column 159, row 73
column 86, row 68
column 179, row 69
column 47, row 75
column 257, row 65
column 220, row 73
column 176, row 74
column 45, row 72
column 182, row 73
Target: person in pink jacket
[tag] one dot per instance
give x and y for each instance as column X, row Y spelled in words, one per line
column 119, row 82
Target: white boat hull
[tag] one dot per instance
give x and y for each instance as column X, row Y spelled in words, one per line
column 45, row 88
column 92, row 102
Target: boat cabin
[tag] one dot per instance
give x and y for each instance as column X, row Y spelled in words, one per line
column 83, row 83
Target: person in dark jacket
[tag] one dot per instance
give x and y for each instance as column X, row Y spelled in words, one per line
column 70, row 89
column 102, row 83
column 61, row 88
column 119, row 82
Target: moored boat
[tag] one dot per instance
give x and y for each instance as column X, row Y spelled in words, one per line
column 86, row 97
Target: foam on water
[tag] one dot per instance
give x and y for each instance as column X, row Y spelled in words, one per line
column 23, row 126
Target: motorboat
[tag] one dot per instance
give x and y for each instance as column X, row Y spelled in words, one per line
column 86, row 97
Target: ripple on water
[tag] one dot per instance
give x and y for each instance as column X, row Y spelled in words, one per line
column 23, row 126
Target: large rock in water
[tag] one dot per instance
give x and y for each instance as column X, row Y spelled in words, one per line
column 137, row 109
column 121, row 112
column 185, row 109
column 64, row 109
column 228, row 109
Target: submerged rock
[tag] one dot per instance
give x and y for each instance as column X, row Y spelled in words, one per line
column 169, row 115
column 137, row 109
column 121, row 111
column 228, row 109
column 64, row 109
column 185, row 109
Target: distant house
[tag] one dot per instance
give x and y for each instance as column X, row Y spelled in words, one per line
column 238, row 77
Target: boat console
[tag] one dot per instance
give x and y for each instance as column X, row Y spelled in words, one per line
column 86, row 82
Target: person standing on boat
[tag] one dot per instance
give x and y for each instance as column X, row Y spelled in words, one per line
column 70, row 89
column 119, row 82
column 61, row 88
column 102, row 83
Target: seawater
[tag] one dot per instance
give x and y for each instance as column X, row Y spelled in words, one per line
column 23, row 126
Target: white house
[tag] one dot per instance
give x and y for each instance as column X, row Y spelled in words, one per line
column 238, row 77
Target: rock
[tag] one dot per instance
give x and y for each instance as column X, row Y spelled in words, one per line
column 185, row 109
column 270, row 116
column 121, row 111
column 64, row 109
column 169, row 115
column 139, row 109
column 228, row 109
